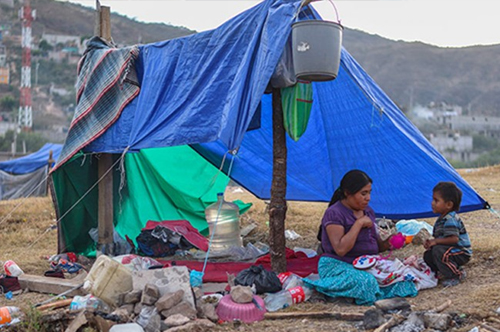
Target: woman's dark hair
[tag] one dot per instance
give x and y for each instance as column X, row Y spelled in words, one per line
column 352, row 182
column 450, row 193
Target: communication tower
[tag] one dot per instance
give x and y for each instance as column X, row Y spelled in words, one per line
column 25, row 119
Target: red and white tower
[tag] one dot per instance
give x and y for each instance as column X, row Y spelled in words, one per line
column 25, row 119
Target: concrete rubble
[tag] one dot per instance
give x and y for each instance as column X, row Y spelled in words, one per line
column 395, row 315
column 162, row 300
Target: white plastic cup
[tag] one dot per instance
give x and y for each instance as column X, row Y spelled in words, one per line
column 12, row 269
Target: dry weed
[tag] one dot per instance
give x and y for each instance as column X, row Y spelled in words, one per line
column 27, row 238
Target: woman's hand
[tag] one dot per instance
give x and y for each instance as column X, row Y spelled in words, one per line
column 365, row 222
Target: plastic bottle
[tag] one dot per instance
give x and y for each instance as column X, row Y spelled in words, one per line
column 88, row 302
column 289, row 280
column 12, row 269
column 223, row 218
column 287, row 297
column 7, row 314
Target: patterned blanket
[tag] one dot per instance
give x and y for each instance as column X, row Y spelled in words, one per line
column 107, row 82
column 340, row 279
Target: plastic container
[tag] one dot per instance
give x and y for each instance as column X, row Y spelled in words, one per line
column 223, row 224
column 88, row 302
column 287, row 297
column 12, row 269
column 7, row 314
column 228, row 310
column 316, row 49
column 129, row 327
column 107, row 279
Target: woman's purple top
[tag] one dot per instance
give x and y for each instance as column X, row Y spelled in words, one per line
column 366, row 243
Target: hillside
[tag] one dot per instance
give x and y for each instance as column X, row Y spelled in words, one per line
column 463, row 76
column 410, row 73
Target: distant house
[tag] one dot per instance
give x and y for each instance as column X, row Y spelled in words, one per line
column 8, row 3
column 454, row 146
column 485, row 125
column 66, row 40
column 4, row 75
column 59, row 56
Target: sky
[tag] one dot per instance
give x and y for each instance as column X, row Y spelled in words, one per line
column 442, row 23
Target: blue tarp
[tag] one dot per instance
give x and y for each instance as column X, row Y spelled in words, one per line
column 203, row 90
column 32, row 162
column 353, row 125
column 203, row 87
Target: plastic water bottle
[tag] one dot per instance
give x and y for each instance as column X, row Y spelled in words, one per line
column 7, row 314
column 223, row 220
column 287, row 297
column 289, row 280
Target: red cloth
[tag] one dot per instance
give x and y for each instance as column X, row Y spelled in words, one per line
column 184, row 228
column 217, row 272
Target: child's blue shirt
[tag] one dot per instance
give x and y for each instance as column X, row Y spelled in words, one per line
column 452, row 225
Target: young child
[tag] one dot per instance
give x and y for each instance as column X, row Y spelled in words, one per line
column 450, row 248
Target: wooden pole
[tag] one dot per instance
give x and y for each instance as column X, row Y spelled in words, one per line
column 105, row 188
column 277, row 206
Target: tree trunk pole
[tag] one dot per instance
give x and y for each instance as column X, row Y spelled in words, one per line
column 277, row 206
column 105, row 188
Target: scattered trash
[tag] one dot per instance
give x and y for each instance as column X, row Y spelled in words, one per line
column 265, row 281
column 412, row 226
column 12, row 269
column 88, row 302
column 196, row 278
column 288, row 297
column 308, row 252
column 291, row 235
column 108, row 279
column 137, row 263
column 8, row 315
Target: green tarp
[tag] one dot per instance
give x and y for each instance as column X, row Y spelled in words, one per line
column 160, row 184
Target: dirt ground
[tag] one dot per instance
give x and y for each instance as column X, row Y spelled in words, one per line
column 28, row 237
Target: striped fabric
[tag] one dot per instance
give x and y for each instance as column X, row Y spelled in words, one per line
column 106, row 83
column 452, row 225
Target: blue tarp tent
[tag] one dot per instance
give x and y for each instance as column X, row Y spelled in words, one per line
column 203, row 90
column 27, row 176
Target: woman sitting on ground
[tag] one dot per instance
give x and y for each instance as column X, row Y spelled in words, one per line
column 348, row 230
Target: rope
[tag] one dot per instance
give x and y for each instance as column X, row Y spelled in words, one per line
column 80, row 199
column 91, row 188
column 493, row 211
column 44, row 181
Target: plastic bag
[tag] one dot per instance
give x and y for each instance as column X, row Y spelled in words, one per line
column 121, row 246
column 264, row 281
column 284, row 74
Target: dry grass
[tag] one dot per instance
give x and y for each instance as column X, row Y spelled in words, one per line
column 26, row 239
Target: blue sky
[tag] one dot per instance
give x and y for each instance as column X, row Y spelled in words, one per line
column 439, row 22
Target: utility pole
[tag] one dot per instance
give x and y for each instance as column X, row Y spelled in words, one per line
column 278, row 206
column 105, row 162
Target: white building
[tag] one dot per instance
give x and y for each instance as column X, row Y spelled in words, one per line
column 454, row 146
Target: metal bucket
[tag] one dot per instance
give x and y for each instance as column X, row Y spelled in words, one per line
column 316, row 49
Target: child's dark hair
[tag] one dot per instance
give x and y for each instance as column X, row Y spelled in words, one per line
column 352, row 182
column 450, row 193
